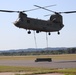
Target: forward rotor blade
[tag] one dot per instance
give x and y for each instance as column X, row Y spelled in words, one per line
column 44, row 8
column 10, row 11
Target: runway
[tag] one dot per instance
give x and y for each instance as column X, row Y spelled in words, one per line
column 32, row 63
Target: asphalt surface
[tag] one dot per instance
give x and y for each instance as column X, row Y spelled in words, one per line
column 32, row 63
column 12, row 73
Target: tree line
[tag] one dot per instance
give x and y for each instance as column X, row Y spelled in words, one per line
column 42, row 52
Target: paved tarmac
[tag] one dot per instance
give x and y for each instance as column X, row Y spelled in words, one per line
column 12, row 73
column 32, row 63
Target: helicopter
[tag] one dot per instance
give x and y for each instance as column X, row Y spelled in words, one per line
column 54, row 24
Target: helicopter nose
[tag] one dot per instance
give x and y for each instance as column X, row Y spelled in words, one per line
column 16, row 23
column 62, row 26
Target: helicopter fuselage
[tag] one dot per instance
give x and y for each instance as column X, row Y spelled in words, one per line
column 38, row 24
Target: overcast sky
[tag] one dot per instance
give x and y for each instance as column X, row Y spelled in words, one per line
column 12, row 37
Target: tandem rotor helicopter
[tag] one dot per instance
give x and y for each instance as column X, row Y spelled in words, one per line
column 54, row 24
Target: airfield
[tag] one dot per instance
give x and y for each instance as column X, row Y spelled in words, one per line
column 32, row 63
column 12, row 65
column 58, row 61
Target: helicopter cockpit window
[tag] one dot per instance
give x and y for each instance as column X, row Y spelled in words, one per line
column 18, row 19
column 28, row 21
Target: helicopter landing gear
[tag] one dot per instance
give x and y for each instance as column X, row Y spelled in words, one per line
column 49, row 33
column 58, row 32
column 37, row 31
column 29, row 32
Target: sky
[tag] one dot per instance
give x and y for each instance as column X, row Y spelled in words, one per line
column 12, row 37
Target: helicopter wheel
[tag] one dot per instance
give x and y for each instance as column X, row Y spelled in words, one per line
column 37, row 31
column 58, row 33
column 49, row 33
column 29, row 32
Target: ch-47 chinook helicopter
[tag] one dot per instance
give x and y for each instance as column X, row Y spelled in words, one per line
column 54, row 24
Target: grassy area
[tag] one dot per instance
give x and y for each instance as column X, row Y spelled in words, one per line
column 17, row 57
column 34, row 70
column 22, row 69
column 54, row 57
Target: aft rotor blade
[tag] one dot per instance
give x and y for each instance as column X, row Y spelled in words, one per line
column 44, row 8
column 39, row 8
column 47, row 15
column 68, row 12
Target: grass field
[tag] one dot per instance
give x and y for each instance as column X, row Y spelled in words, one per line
column 34, row 70
column 37, row 70
column 54, row 57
